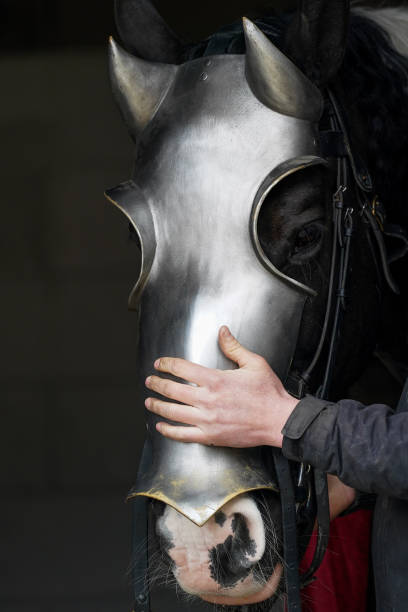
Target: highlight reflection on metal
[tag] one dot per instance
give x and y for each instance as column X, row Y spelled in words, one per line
column 203, row 157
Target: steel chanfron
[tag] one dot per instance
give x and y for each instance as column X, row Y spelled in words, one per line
column 213, row 137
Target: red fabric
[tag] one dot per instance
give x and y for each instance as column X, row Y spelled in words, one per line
column 342, row 579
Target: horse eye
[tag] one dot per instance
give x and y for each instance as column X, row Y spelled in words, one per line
column 307, row 242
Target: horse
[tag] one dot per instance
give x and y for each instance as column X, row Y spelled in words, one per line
column 226, row 546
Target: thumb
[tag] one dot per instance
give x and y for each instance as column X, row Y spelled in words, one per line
column 233, row 349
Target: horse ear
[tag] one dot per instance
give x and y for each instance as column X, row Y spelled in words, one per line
column 145, row 34
column 138, row 86
column 276, row 81
column 316, row 38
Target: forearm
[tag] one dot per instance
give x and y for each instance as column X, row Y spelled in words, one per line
column 365, row 446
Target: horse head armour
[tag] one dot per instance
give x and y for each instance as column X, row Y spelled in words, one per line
column 213, row 137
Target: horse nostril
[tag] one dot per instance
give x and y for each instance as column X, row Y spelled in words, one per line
column 233, row 559
column 243, row 546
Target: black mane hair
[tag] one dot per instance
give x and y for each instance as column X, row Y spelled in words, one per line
column 374, row 79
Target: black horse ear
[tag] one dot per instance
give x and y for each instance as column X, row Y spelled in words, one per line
column 316, row 38
column 145, row 33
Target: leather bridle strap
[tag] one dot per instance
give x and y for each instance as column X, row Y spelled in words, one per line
column 291, row 565
column 341, row 240
column 343, row 231
column 323, row 526
column 140, row 549
column 338, row 146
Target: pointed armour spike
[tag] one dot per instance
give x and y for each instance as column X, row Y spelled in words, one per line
column 138, row 86
column 145, row 33
column 276, row 81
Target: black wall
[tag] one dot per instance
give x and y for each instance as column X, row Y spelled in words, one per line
column 29, row 24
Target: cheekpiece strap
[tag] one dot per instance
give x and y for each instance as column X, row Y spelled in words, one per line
column 336, row 144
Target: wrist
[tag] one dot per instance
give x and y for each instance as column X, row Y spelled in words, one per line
column 281, row 410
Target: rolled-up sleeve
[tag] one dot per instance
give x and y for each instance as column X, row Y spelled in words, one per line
column 365, row 446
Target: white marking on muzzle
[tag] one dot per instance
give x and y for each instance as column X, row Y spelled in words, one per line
column 190, row 545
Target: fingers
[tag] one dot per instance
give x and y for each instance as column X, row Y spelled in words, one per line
column 173, row 412
column 233, row 349
column 182, row 434
column 200, row 375
column 192, row 372
column 173, row 390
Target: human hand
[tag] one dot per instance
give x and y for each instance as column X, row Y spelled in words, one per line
column 245, row 407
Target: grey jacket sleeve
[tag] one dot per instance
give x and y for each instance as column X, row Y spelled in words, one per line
column 365, row 446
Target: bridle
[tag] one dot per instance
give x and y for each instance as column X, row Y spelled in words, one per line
column 306, row 495
column 351, row 175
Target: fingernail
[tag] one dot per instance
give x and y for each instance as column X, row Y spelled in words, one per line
column 224, row 331
column 148, row 402
column 157, row 364
column 147, row 381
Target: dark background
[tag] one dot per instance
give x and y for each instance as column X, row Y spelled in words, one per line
column 71, row 426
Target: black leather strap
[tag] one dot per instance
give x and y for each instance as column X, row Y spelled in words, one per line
column 289, row 529
column 140, row 552
column 379, row 239
column 360, row 172
column 323, row 524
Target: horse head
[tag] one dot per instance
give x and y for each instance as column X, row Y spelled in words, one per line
column 229, row 199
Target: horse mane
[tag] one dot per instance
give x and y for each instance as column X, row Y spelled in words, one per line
column 375, row 76
column 394, row 20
